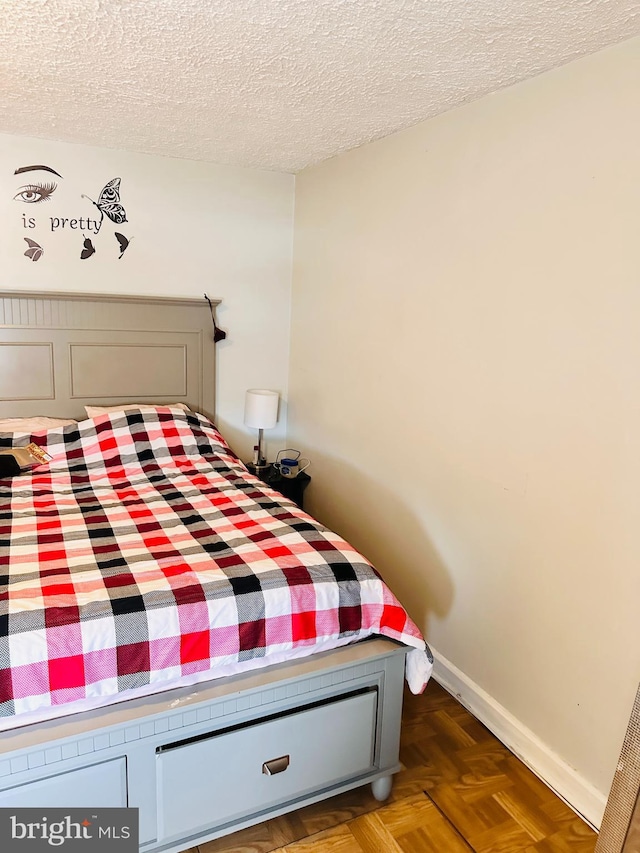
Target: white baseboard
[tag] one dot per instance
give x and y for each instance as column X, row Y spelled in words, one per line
column 577, row 793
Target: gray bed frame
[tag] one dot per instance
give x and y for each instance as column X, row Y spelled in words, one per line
column 197, row 762
column 61, row 351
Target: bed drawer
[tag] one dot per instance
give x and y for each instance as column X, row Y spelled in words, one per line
column 103, row 784
column 241, row 772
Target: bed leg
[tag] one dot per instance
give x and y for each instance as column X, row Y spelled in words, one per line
column 381, row 788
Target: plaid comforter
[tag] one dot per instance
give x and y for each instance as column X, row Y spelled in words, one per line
column 144, row 552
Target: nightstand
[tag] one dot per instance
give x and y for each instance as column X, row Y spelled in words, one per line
column 291, row 487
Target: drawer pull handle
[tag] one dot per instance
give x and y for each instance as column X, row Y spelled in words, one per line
column 276, row 765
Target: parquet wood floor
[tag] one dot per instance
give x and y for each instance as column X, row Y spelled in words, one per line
column 461, row 791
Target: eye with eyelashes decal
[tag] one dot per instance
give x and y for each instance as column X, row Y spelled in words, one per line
column 35, row 193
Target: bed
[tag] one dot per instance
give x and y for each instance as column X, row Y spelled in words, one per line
column 174, row 635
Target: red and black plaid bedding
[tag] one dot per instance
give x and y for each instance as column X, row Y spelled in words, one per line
column 145, row 552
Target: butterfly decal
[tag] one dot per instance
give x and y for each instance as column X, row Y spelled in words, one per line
column 35, row 250
column 123, row 242
column 88, row 249
column 109, row 203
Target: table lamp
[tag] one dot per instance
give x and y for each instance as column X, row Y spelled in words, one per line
column 260, row 412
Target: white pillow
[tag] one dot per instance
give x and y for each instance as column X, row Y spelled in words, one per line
column 37, row 424
column 95, row 411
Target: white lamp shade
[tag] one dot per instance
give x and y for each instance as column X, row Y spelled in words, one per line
column 261, row 408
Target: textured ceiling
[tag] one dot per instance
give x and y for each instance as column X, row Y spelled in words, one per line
column 274, row 84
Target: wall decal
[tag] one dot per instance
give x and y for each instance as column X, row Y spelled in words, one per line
column 42, row 188
column 36, row 169
column 122, row 240
column 109, row 203
column 35, row 251
column 35, row 193
column 88, row 249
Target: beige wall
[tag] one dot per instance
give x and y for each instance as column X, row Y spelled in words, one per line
column 194, row 227
column 465, row 375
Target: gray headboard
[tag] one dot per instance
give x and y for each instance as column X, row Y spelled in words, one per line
column 60, row 351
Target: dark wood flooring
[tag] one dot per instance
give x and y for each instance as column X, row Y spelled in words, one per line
column 461, row 791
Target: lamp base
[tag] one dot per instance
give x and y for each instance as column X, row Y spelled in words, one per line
column 260, row 471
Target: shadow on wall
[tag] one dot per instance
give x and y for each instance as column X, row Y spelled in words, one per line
column 386, row 530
